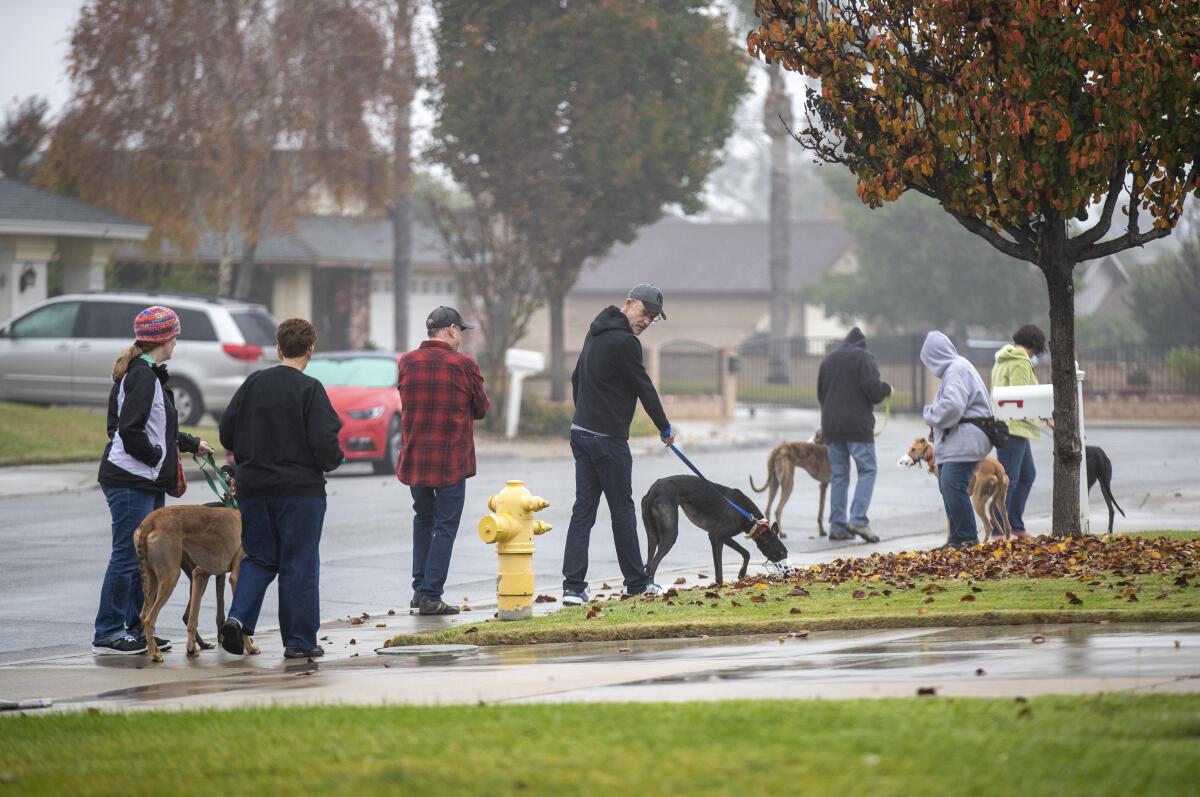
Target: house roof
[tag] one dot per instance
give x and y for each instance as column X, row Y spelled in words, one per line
column 25, row 210
column 683, row 257
column 314, row 240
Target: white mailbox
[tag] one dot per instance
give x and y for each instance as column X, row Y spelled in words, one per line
column 520, row 363
column 1037, row 401
column 1023, row 401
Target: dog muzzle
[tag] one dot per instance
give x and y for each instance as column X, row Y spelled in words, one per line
column 781, row 568
column 906, row 462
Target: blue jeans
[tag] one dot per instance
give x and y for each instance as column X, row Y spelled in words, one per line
column 953, row 478
column 121, row 593
column 839, row 483
column 603, row 466
column 1017, row 459
column 282, row 537
column 435, row 526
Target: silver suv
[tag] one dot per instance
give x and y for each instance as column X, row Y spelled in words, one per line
column 62, row 351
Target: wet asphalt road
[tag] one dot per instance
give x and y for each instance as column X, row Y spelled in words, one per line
column 55, row 547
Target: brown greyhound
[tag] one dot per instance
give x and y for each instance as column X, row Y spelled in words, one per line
column 211, row 537
column 988, row 488
column 781, row 470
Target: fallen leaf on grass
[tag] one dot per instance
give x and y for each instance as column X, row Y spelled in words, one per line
column 712, row 594
column 758, row 598
column 1073, row 599
column 923, row 610
column 795, row 610
column 593, row 613
column 859, row 595
column 734, row 603
column 928, row 600
column 681, row 580
column 1025, row 711
column 929, row 589
column 799, row 592
column 968, row 597
column 545, row 599
column 926, row 691
column 356, row 621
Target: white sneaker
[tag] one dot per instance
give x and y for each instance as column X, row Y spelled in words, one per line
column 575, row 598
column 653, row 589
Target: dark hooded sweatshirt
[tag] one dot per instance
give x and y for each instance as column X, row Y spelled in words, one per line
column 610, row 378
column 848, row 387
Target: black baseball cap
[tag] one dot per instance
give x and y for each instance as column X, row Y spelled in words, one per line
column 445, row 316
column 651, row 297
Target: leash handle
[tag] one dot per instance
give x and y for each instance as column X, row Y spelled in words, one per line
column 208, row 459
column 712, row 486
column 887, row 413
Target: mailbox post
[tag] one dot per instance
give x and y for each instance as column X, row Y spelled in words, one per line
column 1037, row 401
column 520, row 363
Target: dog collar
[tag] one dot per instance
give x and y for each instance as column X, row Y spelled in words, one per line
column 757, row 530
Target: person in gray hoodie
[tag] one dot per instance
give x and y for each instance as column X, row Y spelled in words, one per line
column 957, row 447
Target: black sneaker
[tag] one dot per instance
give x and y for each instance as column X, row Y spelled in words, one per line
column 231, row 637
column 415, row 602
column 862, row 531
column 301, row 653
column 436, row 607
column 124, row 646
column 163, row 644
column 841, row 535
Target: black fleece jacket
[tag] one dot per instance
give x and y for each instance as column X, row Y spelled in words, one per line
column 848, row 386
column 610, row 378
column 283, row 432
column 130, row 420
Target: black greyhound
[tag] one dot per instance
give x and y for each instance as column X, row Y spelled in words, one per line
column 1099, row 468
column 704, row 507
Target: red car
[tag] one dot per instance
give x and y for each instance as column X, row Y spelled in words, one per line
column 362, row 387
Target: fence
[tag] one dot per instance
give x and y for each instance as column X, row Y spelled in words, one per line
column 899, row 365
column 1142, row 372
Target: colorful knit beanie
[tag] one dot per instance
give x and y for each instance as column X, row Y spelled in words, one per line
column 156, row 325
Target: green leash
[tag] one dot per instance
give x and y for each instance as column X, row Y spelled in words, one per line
column 231, row 502
column 887, row 413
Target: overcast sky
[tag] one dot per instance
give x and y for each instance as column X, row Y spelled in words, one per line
column 33, row 55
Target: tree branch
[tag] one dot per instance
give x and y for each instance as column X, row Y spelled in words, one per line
column 1014, row 249
column 1116, row 183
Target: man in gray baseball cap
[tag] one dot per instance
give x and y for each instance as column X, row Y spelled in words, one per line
column 607, row 384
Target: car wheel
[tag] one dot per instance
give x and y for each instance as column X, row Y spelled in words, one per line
column 188, row 402
column 394, row 438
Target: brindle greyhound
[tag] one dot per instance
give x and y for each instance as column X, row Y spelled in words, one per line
column 781, row 471
column 704, row 507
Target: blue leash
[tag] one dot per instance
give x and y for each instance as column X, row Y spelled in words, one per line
column 713, row 487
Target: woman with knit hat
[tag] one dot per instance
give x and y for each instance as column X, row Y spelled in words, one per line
column 137, row 470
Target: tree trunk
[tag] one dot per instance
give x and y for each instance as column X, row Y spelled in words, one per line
column 245, row 276
column 1068, row 449
column 403, row 90
column 558, row 382
column 495, row 346
column 777, row 117
column 225, row 268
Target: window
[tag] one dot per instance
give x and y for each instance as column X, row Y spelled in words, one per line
column 195, row 325
column 107, row 320
column 256, row 327
column 356, row 371
column 52, row 321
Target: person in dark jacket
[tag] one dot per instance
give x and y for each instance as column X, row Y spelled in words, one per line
column 283, row 432
column 848, row 388
column 138, row 469
column 608, row 381
column 441, row 396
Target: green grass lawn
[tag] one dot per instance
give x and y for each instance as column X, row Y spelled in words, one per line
column 1136, row 578
column 1111, row 744
column 32, row 435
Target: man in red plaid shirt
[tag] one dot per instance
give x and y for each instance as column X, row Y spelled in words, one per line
column 441, row 396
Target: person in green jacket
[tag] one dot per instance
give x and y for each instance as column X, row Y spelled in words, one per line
column 1014, row 366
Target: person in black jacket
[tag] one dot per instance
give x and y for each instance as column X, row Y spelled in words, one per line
column 608, row 381
column 139, row 466
column 283, row 432
column 848, row 387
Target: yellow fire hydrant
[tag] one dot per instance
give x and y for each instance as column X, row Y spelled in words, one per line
column 512, row 527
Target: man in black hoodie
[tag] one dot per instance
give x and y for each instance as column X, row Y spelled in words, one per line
column 848, row 387
column 608, row 381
